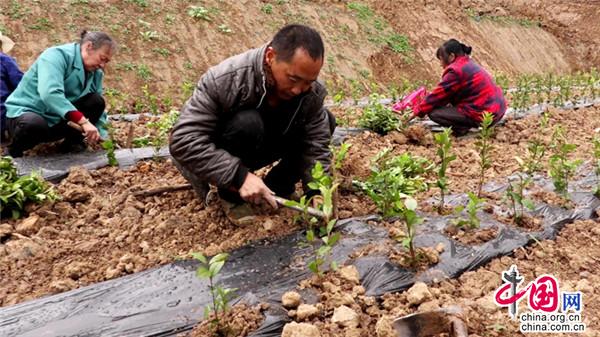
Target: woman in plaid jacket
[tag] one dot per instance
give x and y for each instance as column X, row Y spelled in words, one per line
column 464, row 94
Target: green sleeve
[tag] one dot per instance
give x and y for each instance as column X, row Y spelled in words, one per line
column 51, row 87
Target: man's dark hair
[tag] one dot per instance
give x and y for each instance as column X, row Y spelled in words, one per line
column 292, row 37
column 452, row 46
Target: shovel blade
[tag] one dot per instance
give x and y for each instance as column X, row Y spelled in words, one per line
column 429, row 323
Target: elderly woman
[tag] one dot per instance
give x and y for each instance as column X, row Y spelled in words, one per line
column 64, row 84
column 464, row 94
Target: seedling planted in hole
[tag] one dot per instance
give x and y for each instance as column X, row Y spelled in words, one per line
column 533, row 161
column 209, row 269
column 443, row 152
column 475, row 204
column 162, row 126
column 412, row 220
column 561, row 169
column 109, row 146
column 320, row 235
column 515, row 191
column 485, row 146
column 378, row 117
column 393, row 179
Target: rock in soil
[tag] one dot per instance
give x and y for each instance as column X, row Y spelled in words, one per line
column 350, row 274
column 29, row 226
column 418, row 294
column 294, row 329
column 306, row 311
column 291, row 299
column 345, row 317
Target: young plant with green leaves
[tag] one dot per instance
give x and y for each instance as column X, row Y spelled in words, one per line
column 162, row 128
column 320, row 234
column 475, row 204
column 209, row 269
column 561, row 168
column 532, row 163
column 379, row 117
column 394, row 178
column 444, row 143
column 485, row 147
column 412, row 220
column 109, row 146
column 596, row 153
column 16, row 192
column 515, row 191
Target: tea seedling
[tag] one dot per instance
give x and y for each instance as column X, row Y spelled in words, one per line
column 475, row 204
column 16, row 192
column 393, row 179
column 378, row 117
column 209, row 269
column 412, row 220
column 199, row 12
column 443, row 152
column 516, row 187
column 561, row 168
column 162, row 128
column 321, row 238
column 485, row 146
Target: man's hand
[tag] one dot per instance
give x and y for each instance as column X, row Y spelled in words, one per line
column 254, row 190
column 90, row 132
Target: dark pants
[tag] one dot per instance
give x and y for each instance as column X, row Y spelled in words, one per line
column 451, row 117
column 244, row 136
column 31, row 129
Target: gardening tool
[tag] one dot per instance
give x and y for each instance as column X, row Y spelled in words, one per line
column 75, row 126
column 429, row 323
column 280, row 201
column 310, row 210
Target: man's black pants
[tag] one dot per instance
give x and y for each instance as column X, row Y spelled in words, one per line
column 245, row 137
column 31, row 129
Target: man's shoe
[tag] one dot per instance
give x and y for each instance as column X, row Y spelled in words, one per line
column 241, row 215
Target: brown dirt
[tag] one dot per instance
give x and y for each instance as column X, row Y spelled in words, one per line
column 166, row 49
column 471, row 236
column 239, row 321
column 473, row 291
column 99, row 231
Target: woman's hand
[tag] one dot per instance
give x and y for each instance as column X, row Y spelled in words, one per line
column 90, row 132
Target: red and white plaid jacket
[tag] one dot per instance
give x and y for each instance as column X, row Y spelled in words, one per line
column 468, row 87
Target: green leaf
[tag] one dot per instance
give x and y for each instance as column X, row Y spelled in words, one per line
column 215, row 267
column 334, row 238
column 199, row 257
column 219, row 258
column 203, row 272
column 310, row 235
column 529, row 204
column 323, row 250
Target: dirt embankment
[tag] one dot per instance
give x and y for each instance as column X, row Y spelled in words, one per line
column 167, row 45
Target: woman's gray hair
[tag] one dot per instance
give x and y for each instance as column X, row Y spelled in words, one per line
column 98, row 40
